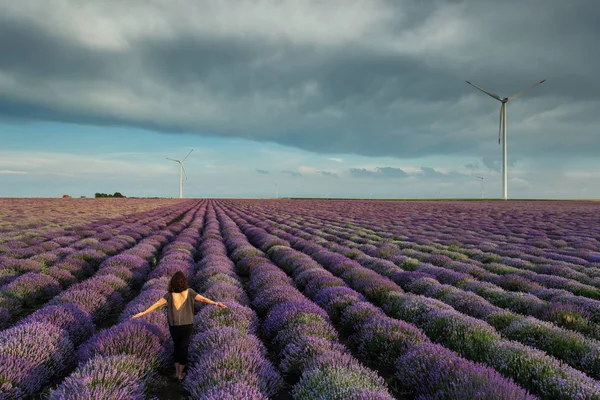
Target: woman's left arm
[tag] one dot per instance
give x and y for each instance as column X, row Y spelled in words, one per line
column 209, row 301
column 150, row 309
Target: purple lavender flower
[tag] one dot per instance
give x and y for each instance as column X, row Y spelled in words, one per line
column 65, row 316
column 110, row 377
column 339, row 377
column 232, row 391
column 37, row 344
column 93, row 257
column 5, row 319
column 169, row 268
column 300, row 351
column 244, row 265
column 144, row 300
column 382, row 340
column 536, row 371
column 432, row 371
column 62, row 276
column 359, row 314
column 412, row 308
column 303, row 326
column 129, row 261
column 21, row 377
column 76, row 266
column 88, row 301
column 336, row 299
column 235, row 315
column 270, row 297
column 228, row 365
column 228, row 337
column 242, row 252
column 204, row 284
column 142, row 250
column 223, row 291
column 32, row 288
column 135, row 337
column 320, row 282
column 283, row 314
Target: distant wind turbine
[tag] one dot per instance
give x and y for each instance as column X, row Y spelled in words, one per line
column 181, row 172
column 502, row 132
column 277, row 184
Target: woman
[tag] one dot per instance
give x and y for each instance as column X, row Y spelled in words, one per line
column 180, row 314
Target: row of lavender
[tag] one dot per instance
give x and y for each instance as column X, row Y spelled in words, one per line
column 41, row 348
column 421, row 367
column 28, row 283
column 562, row 307
column 470, row 337
column 560, row 231
column 227, row 359
column 558, row 306
column 478, row 236
column 119, row 362
column 32, row 218
column 577, row 350
column 482, row 265
column 505, row 261
column 574, row 312
column 300, row 333
column 508, row 272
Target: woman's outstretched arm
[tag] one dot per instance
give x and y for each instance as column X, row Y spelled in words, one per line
column 151, row 308
column 209, row 301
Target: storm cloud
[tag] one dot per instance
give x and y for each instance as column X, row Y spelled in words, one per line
column 372, row 78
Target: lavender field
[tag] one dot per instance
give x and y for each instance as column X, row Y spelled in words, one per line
column 327, row 299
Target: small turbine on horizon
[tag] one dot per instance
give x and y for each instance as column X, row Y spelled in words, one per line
column 181, row 172
column 277, row 185
column 502, row 132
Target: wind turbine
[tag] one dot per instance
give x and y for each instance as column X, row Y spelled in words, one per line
column 181, row 170
column 502, row 132
column 277, row 185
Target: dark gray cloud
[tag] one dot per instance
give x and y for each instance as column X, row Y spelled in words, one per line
column 431, row 173
column 262, row 171
column 423, row 174
column 495, row 164
column 379, row 172
column 389, row 172
column 293, row 173
column 328, row 173
column 375, row 78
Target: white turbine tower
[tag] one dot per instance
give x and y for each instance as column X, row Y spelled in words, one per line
column 181, row 172
column 277, row 184
column 502, row 132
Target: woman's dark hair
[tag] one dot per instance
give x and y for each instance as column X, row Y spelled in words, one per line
column 178, row 283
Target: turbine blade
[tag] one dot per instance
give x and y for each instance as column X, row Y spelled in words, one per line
column 172, row 159
column 184, row 173
column 495, row 96
column 514, row 96
column 501, row 121
column 187, row 155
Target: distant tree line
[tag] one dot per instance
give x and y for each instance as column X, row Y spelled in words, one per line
column 102, row 195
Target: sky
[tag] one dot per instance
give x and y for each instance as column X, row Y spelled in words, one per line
column 298, row 98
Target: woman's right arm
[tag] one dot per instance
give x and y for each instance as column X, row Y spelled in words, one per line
column 151, row 308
